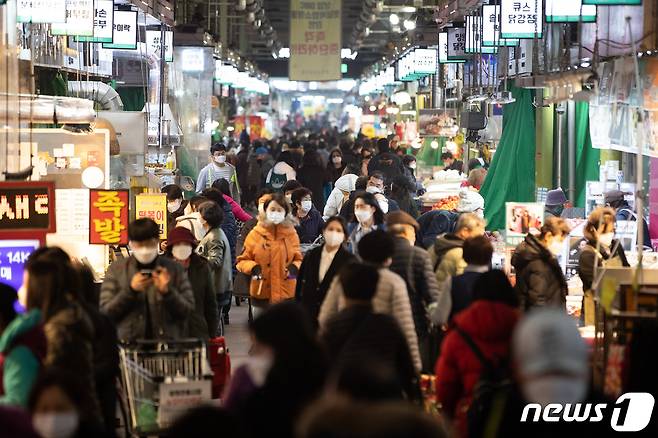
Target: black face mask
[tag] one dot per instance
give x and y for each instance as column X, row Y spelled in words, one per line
column 558, row 210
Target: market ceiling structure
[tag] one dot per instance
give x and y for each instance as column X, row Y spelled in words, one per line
column 381, row 39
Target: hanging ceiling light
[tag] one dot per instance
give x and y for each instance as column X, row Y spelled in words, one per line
column 409, row 24
column 394, row 19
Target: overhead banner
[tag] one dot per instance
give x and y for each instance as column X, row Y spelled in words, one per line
column 79, row 19
column 153, row 206
column 153, row 45
column 315, row 40
column 40, row 11
column 103, row 22
column 124, row 34
column 565, row 11
column 521, row 18
column 108, row 217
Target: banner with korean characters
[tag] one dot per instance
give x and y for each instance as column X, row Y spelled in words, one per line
column 79, row 19
column 103, row 22
column 154, row 45
column 521, row 18
column 315, row 40
column 108, row 217
column 153, row 206
column 124, row 35
column 40, row 11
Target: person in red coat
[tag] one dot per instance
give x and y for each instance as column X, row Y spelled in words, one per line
column 489, row 321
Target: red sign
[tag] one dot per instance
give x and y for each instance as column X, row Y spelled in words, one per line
column 255, row 127
column 108, row 217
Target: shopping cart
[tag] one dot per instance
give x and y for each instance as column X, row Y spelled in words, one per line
column 162, row 380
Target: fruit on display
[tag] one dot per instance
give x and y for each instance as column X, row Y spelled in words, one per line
column 450, row 203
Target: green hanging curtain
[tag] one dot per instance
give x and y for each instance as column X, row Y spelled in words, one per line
column 429, row 156
column 587, row 158
column 132, row 97
column 51, row 82
column 511, row 176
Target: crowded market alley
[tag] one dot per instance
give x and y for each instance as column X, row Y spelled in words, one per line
column 328, row 218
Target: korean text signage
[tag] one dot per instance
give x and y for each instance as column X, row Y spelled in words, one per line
column 562, row 11
column 443, row 50
column 27, row 206
column 13, row 255
column 124, row 35
column 153, row 206
column 612, row 2
column 79, row 19
column 491, row 28
column 40, row 11
column 315, row 40
column 521, row 18
column 474, row 36
column 103, row 22
column 456, row 43
column 153, row 44
column 108, row 217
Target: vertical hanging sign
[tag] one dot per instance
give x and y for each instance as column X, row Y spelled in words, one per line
column 521, row 18
column 124, row 33
column 40, row 11
column 456, row 43
column 153, row 44
column 315, row 40
column 103, row 22
column 79, row 19
column 474, row 36
column 491, row 28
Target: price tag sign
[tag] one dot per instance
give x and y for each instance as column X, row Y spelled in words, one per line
column 124, row 35
column 521, row 18
column 103, row 22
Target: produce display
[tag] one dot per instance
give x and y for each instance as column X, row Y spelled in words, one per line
column 450, row 203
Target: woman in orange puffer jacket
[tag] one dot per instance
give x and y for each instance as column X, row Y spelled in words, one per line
column 271, row 255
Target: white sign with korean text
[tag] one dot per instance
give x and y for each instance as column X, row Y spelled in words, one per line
column 456, row 43
column 153, row 44
column 425, row 62
column 41, row 11
column 491, row 28
column 474, row 36
column 79, row 19
column 559, row 11
column 443, row 50
column 521, row 18
column 103, row 22
column 124, row 35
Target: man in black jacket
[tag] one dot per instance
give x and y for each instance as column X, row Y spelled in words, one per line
column 358, row 335
column 386, row 162
column 413, row 264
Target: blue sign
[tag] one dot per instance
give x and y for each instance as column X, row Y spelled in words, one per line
column 13, row 255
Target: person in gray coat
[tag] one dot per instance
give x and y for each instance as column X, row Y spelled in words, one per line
column 147, row 296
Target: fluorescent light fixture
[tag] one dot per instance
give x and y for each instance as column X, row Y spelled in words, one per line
column 335, row 100
column 394, row 19
column 407, row 9
column 409, row 24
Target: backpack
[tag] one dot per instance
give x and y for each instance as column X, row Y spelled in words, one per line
column 489, row 393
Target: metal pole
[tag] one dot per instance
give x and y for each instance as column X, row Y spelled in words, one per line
column 162, row 86
column 559, row 110
column 571, row 150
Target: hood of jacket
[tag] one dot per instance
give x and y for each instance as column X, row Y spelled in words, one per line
column 346, row 183
column 528, row 251
column 447, row 242
column 488, row 320
column 20, row 325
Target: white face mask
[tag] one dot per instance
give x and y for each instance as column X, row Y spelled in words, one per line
column 56, row 424
column 557, row 247
column 333, row 238
column 605, row 239
column 220, row 159
column 336, row 160
column 362, row 215
column 307, row 205
column 555, row 389
column 374, row 190
column 182, row 251
column 412, row 165
column 276, row 217
column 174, row 205
column 145, row 255
column 383, row 204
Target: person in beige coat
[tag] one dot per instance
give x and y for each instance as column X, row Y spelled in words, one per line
column 391, row 297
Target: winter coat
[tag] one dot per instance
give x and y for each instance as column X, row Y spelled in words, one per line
column 387, row 163
column 215, row 248
column 539, row 278
column 490, row 324
column 70, row 335
column 273, row 248
column 310, row 226
column 192, row 223
column 589, row 256
column 461, row 290
column 230, row 228
column 447, row 257
column 391, row 298
column 312, row 177
column 237, row 211
column 310, row 292
column 434, row 223
column 413, row 265
column 204, row 320
column 128, row 308
column 280, row 174
column 358, row 335
column 331, row 173
column 343, row 187
column 22, row 351
column 172, row 217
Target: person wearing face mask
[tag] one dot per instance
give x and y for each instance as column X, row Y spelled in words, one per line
column 147, row 296
column 555, row 200
column 191, row 217
column 175, row 203
column 57, row 406
column 539, row 278
column 284, row 170
column 335, row 166
column 218, row 168
column 204, row 320
column 340, row 195
column 601, row 247
column 216, row 249
column 375, row 186
column 311, row 176
column 310, row 220
column 289, row 187
column 224, row 187
column 368, row 216
column 271, row 255
column 409, row 163
column 321, row 265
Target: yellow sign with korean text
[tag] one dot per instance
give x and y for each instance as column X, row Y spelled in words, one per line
column 154, row 206
column 315, row 40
